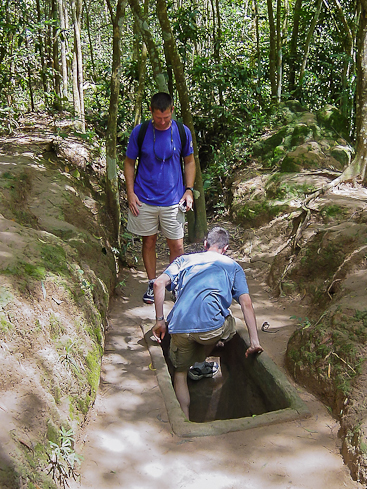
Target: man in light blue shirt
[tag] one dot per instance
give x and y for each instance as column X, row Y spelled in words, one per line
column 205, row 284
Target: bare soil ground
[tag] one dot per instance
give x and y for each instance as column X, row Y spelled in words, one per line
column 128, row 442
column 46, row 327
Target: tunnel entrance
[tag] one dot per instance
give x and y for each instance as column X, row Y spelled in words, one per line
column 246, row 392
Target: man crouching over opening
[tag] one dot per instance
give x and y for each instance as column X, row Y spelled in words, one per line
column 205, row 285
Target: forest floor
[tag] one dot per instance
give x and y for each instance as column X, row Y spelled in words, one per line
column 127, row 441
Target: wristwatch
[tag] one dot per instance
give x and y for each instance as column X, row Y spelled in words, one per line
column 190, row 188
column 160, row 318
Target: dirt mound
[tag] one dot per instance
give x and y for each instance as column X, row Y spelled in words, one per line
column 57, row 271
column 316, row 255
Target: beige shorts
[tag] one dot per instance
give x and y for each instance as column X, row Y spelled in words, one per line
column 152, row 218
column 188, row 348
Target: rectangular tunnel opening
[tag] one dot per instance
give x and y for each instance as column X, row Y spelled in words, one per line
column 235, row 391
column 246, row 393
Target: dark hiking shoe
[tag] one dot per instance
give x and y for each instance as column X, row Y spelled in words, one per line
column 148, row 297
column 204, row 369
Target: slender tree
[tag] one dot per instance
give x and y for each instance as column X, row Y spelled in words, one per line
column 112, row 188
column 143, row 24
column 62, row 38
column 272, row 50
column 279, row 56
column 358, row 167
column 197, row 223
column 293, row 46
column 76, row 6
column 347, row 61
column 91, row 49
column 40, row 43
column 55, row 56
column 307, row 45
column 257, row 51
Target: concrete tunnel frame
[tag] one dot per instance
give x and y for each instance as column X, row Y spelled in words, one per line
column 273, row 383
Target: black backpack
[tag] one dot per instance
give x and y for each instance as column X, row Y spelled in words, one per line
column 141, row 136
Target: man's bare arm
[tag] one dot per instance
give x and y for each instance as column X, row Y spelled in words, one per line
column 250, row 320
column 159, row 287
column 190, row 171
column 132, row 198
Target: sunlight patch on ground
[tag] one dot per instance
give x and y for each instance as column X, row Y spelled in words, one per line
column 121, row 440
column 154, row 469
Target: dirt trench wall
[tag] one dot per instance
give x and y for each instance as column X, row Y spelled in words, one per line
column 57, row 272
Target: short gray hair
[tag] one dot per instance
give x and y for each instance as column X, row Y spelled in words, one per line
column 218, row 236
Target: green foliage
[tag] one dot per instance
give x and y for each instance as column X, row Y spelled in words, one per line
column 93, row 361
column 280, row 187
column 321, row 260
column 252, row 212
column 68, row 357
column 5, row 325
column 331, row 211
column 63, row 460
column 56, row 326
column 332, row 349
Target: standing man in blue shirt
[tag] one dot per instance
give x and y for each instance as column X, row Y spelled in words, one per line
column 159, row 185
column 206, row 283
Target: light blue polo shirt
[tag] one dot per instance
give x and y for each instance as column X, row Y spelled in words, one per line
column 159, row 181
column 206, row 284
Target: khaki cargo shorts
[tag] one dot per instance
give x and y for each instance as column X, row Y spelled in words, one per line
column 188, row 348
column 170, row 220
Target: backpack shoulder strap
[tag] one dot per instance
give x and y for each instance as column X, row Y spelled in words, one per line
column 181, row 130
column 141, row 134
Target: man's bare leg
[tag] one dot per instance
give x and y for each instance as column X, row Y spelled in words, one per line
column 176, row 248
column 182, row 391
column 149, row 255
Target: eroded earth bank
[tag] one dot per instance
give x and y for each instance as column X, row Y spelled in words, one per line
column 59, row 270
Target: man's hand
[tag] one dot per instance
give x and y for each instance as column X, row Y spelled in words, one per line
column 134, row 204
column 254, row 350
column 159, row 330
column 188, row 198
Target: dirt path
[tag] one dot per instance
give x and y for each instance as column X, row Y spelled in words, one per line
column 128, row 443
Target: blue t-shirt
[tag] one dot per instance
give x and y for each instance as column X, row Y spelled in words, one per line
column 159, row 181
column 206, row 284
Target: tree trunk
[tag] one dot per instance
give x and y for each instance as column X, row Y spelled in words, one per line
column 279, row 50
column 142, row 68
column 307, row 46
column 55, row 58
column 258, row 52
column 197, row 220
column 76, row 6
column 40, row 49
column 94, row 74
column 141, row 84
column 293, row 46
column 29, row 72
column 357, row 168
column 272, row 51
column 169, row 69
column 112, row 188
column 348, row 46
column 143, row 24
column 76, row 99
column 63, row 49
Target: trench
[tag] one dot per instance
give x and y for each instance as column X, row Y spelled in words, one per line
column 232, row 393
column 131, row 439
column 246, row 392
